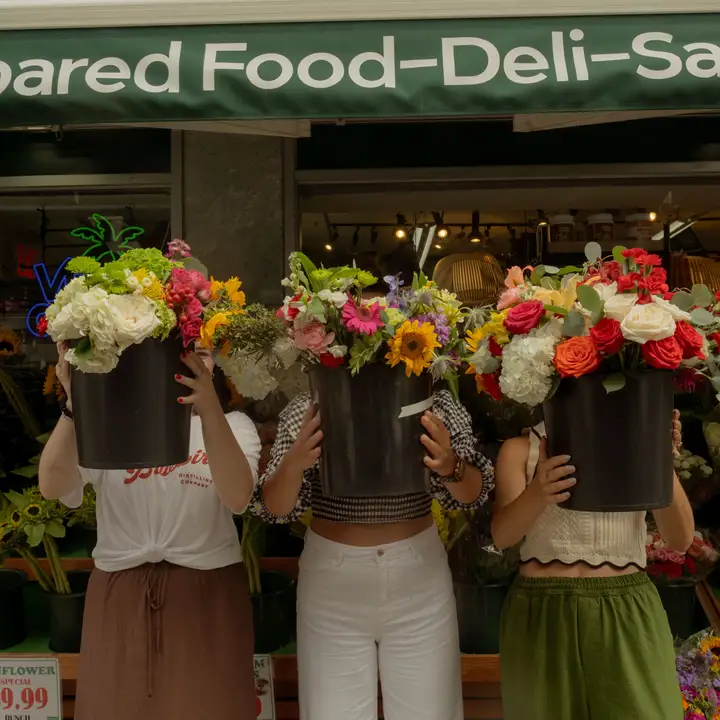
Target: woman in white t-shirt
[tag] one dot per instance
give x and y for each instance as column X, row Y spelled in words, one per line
column 167, row 632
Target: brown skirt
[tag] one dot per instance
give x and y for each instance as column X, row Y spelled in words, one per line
column 167, row 643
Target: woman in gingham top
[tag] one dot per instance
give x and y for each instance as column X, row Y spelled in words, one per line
column 375, row 592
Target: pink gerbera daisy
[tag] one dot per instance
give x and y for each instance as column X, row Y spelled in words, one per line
column 364, row 318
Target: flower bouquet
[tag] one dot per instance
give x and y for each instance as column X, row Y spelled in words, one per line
column 252, row 344
column 698, row 672
column 372, row 359
column 127, row 322
column 597, row 345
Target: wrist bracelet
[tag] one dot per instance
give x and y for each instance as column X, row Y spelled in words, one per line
column 66, row 412
column 458, row 473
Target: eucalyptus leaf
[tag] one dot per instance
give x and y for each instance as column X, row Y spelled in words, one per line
column 549, row 284
column 537, row 274
column 597, row 315
column 556, row 309
column 574, row 325
column 701, row 296
column 589, row 298
column 568, row 269
column 683, row 300
column 551, row 270
column 554, row 387
column 192, row 263
column 701, row 317
column 716, row 382
column 35, row 534
column 614, row 382
column 593, row 251
column 617, row 253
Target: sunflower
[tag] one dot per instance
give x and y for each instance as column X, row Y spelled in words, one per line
column 413, row 344
column 15, row 518
column 32, row 511
column 50, row 380
column 711, row 645
column 9, row 343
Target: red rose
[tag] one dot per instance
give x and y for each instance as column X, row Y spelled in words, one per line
column 689, row 339
column 670, row 569
column 715, row 337
column 662, row 354
column 717, row 296
column 690, row 565
column 524, row 317
column 494, row 347
column 190, row 331
column 42, row 325
column 607, row 336
column 686, row 380
column 329, row 360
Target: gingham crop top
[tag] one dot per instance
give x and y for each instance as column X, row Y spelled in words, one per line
column 572, row 536
column 374, row 510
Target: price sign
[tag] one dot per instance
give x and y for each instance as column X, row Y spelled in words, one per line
column 264, row 688
column 30, row 689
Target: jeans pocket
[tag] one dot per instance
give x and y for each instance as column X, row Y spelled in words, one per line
column 315, row 561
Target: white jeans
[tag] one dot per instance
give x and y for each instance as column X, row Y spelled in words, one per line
column 389, row 609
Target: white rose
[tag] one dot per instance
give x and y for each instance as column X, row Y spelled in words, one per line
column 75, row 287
column 605, row 291
column 131, row 317
column 647, row 322
column 73, row 320
column 60, row 324
column 338, row 351
column 96, row 361
column 674, row 310
column 618, row 306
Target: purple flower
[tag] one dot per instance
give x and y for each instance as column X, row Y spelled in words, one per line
column 394, row 283
column 439, row 322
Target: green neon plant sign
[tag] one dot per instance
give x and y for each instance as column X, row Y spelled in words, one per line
column 105, row 243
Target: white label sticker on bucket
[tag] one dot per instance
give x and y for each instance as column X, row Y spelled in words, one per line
column 415, row 408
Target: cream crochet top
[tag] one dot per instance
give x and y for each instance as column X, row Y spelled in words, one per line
column 572, row 536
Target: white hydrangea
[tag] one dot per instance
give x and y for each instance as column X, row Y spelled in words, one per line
column 527, row 368
column 96, row 361
column 252, row 378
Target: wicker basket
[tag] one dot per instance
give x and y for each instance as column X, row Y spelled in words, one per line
column 476, row 278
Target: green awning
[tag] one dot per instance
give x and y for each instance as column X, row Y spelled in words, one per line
column 360, row 70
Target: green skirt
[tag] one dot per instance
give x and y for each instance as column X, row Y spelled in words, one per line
column 587, row 649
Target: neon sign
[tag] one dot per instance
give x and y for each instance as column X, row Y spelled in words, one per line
column 26, row 258
column 105, row 245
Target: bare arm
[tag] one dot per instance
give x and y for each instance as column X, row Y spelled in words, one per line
column 518, row 505
column 282, row 483
column 676, row 522
column 58, row 474
column 232, row 475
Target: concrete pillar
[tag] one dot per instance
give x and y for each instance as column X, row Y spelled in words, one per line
column 234, row 202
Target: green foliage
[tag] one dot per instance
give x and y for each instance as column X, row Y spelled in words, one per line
column 614, row 382
column 574, row 325
column 83, row 265
column 683, row 300
column 363, row 350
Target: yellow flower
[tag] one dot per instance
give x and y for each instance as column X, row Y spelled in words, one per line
column 15, row 518
column 494, row 327
column 207, row 330
column 32, row 511
column 215, row 288
column 413, row 344
column 711, row 644
column 564, row 298
column 9, row 342
column 441, row 521
column 231, row 287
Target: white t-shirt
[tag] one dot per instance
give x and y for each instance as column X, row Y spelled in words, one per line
column 170, row 514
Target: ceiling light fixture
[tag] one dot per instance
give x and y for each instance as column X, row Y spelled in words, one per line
column 652, row 216
column 475, row 236
column 442, row 229
column 401, row 228
column 328, row 247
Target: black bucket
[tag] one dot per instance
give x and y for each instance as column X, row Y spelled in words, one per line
column 679, row 599
column 368, row 451
column 12, row 608
column 620, row 442
column 274, row 613
column 479, row 608
column 130, row 417
column 66, row 614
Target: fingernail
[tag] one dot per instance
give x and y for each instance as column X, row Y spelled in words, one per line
column 566, row 458
column 571, row 468
column 178, row 376
column 572, row 480
column 180, row 400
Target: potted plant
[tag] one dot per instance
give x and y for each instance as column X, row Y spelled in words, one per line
column 372, row 362
column 482, row 576
column 698, row 668
column 12, row 582
column 127, row 322
column 675, row 575
column 597, row 346
column 35, row 521
column 272, row 593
